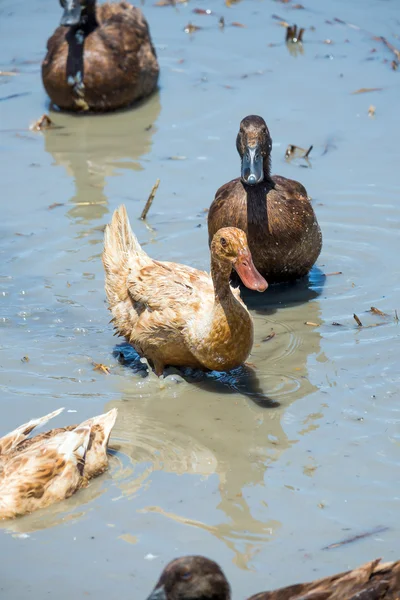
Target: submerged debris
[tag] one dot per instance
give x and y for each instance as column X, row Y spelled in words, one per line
column 150, row 200
column 355, row 538
column 371, row 111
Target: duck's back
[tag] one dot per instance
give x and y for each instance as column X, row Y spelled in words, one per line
column 107, row 68
column 281, row 227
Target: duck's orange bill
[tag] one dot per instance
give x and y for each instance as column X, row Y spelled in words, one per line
column 249, row 275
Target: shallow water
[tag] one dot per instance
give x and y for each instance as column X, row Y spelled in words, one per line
column 262, row 468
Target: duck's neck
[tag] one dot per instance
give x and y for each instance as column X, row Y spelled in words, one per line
column 88, row 20
column 220, row 273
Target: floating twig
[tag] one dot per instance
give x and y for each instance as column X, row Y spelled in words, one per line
column 355, row 538
column 366, row 90
column 102, row 368
column 43, row 123
column 269, row 337
column 334, row 273
column 376, row 311
column 391, row 47
column 357, row 320
column 311, row 323
column 150, row 200
column 294, row 35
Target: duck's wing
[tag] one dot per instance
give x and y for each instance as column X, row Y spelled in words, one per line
column 42, row 475
column 162, row 285
column 289, row 187
column 12, row 440
column 373, row 581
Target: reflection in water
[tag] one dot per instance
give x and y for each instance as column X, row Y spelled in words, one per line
column 185, row 431
column 93, row 147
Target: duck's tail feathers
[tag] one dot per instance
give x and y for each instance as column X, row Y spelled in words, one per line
column 96, row 457
column 12, row 439
column 120, row 248
column 74, row 443
column 102, row 426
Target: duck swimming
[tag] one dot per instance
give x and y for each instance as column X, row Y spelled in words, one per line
column 101, row 58
column 39, row 471
column 198, row 578
column 281, row 227
column 176, row 315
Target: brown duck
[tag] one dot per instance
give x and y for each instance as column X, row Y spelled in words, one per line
column 100, row 58
column 198, row 578
column 176, row 315
column 276, row 214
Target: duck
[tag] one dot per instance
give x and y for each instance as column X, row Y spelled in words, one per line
column 284, row 237
column 37, row 472
column 199, row 578
column 173, row 314
column 100, row 58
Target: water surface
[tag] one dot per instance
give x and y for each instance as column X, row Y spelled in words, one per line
column 264, row 467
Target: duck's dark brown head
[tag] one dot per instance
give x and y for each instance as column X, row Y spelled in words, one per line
column 75, row 11
column 191, row 578
column 254, row 145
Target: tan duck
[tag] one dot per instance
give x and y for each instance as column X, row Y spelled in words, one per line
column 282, row 230
column 176, row 315
column 198, row 578
column 36, row 472
column 100, row 58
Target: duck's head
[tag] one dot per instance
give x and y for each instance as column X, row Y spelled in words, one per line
column 191, row 578
column 74, row 10
column 229, row 245
column 254, row 145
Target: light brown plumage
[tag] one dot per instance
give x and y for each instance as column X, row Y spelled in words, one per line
column 174, row 314
column 51, row 466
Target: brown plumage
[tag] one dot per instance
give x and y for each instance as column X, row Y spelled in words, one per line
column 101, row 59
column 51, row 466
column 198, row 578
column 173, row 314
column 276, row 214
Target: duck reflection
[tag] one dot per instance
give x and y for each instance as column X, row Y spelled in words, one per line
column 94, row 147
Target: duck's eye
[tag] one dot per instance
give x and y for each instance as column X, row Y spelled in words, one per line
column 186, row 575
column 223, row 242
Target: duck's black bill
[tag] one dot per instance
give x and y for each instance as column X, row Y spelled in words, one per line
column 252, row 166
column 71, row 14
column 158, row 594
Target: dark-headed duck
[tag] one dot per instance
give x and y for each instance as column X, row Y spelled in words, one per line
column 282, row 230
column 198, row 578
column 100, row 58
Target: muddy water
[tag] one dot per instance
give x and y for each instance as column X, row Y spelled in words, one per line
column 262, row 468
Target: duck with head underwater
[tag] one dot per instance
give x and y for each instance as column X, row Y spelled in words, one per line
column 101, row 58
column 276, row 214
